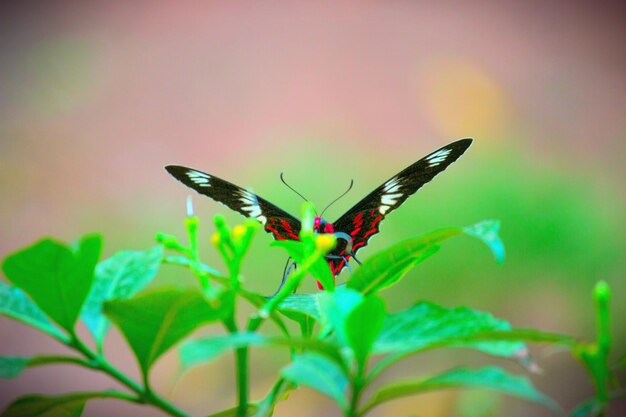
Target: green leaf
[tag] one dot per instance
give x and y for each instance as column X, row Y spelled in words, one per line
column 15, row 304
column 208, row 348
column 119, row 277
column 363, row 326
column 386, row 267
column 319, row 373
column 306, row 322
column 487, row 231
column 489, row 377
column 308, row 304
column 188, row 263
column 70, row 405
column 154, row 321
column 319, row 269
column 336, row 307
column 267, row 404
column 589, row 408
column 56, row 277
column 12, row 366
column 426, row 325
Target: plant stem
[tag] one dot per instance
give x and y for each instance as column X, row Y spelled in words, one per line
column 241, row 364
column 144, row 395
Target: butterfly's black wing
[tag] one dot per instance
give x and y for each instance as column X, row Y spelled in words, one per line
column 362, row 221
column 275, row 220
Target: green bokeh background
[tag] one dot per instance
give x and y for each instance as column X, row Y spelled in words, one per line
column 96, row 99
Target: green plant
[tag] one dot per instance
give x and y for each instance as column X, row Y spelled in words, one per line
column 340, row 329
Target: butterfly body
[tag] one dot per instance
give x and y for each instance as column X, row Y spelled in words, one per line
column 354, row 228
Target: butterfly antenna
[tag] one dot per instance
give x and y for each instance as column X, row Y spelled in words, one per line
column 291, row 188
column 335, row 200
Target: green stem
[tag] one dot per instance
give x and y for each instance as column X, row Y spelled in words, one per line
column 241, row 364
column 144, row 395
column 354, row 400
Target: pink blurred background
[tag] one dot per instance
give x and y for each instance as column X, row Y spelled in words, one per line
column 96, row 98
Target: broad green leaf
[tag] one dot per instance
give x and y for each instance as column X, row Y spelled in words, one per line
column 489, row 377
column 319, row 373
column 487, row 231
column 336, row 307
column 154, row 321
column 319, row 269
column 56, row 277
column 15, row 304
column 203, row 350
column 308, row 304
column 427, row 325
column 363, row 325
column 208, row 348
column 12, row 366
column 121, row 276
column 70, row 405
column 233, row 412
column 388, row 266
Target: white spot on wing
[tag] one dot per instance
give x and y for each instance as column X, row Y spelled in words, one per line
column 390, row 199
column 438, row 157
column 383, row 209
column 250, row 204
column 392, row 185
column 199, row 178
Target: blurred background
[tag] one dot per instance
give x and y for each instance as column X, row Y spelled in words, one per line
column 95, row 98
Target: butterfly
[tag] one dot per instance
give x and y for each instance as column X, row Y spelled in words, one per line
column 354, row 228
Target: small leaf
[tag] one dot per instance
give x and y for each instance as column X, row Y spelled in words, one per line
column 308, row 304
column 267, row 404
column 319, row 269
column 487, row 231
column 70, row 405
column 208, row 348
column 388, row 266
column 56, row 277
column 319, row 373
column 489, row 377
column 426, row 324
column 15, row 304
column 119, row 277
column 12, row 366
column 363, row 326
column 154, row 321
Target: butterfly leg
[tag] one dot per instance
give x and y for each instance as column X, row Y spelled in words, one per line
column 286, row 271
column 344, row 258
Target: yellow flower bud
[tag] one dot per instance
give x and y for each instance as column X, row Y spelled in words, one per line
column 325, row 242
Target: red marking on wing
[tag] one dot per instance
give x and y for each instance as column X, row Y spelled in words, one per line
column 358, row 223
column 288, row 229
column 281, row 229
column 373, row 227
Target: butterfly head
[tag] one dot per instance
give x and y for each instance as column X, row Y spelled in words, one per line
column 322, row 226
